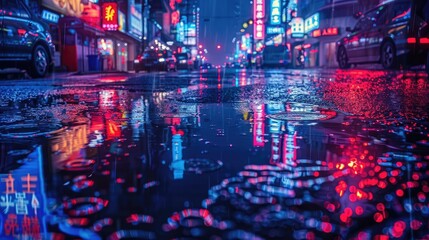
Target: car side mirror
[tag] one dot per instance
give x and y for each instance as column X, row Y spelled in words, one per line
column 349, row 29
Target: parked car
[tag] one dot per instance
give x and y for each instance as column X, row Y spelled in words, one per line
column 25, row 42
column 151, row 60
column 184, row 61
column 392, row 33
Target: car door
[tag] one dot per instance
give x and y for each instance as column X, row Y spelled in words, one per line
column 355, row 42
column 16, row 28
column 377, row 19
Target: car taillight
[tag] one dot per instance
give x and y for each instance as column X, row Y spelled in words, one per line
column 411, row 40
column 424, row 40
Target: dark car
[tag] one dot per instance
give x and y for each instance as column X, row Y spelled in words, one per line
column 25, row 42
column 184, row 61
column 153, row 60
column 276, row 56
column 394, row 33
column 206, row 66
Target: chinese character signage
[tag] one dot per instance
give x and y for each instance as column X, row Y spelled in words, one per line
column 275, row 30
column 22, row 201
column 275, row 18
column 311, row 23
column 332, row 31
column 297, row 27
column 258, row 15
column 50, row 16
column 109, row 16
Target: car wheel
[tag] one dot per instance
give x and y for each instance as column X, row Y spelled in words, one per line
column 39, row 62
column 342, row 58
column 388, row 55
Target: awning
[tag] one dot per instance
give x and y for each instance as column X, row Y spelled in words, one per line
column 80, row 26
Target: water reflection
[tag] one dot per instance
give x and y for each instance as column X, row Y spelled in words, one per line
column 222, row 163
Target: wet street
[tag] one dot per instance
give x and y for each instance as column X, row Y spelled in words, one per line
column 218, row 154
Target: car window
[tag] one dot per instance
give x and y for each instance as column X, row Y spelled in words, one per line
column 401, row 12
column 376, row 17
column 14, row 8
column 360, row 25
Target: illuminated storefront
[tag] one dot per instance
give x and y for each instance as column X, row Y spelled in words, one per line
column 75, row 27
column 124, row 33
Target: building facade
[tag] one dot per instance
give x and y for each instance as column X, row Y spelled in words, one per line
column 93, row 35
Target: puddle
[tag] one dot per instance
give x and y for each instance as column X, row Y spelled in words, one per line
column 258, row 159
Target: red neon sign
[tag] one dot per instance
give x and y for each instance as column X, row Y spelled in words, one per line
column 258, row 15
column 175, row 17
column 109, row 16
column 332, row 31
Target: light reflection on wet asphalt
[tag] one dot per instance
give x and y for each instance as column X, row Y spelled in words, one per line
column 309, row 154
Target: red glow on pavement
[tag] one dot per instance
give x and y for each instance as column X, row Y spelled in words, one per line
column 421, row 196
column 348, row 212
column 415, row 224
column 326, row 227
column 399, row 193
column 378, row 217
column 359, row 210
column 380, row 207
column 381, row 237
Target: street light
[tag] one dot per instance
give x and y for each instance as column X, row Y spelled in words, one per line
column 218, row 46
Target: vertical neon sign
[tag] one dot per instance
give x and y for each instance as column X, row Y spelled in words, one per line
column 275, row 18
column 258, row 15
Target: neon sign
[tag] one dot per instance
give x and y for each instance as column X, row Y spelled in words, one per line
column 275, row 18
column 311, row 22
column 109, row 16
column 275, row 30
column 22, row 201
column 332, row 31
column 297, row 27
column 259, row 125
column 258, row 15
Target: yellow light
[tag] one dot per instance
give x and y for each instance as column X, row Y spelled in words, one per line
column 251, row 21
column 245, row 25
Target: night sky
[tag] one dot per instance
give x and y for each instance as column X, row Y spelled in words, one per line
column 218, row 25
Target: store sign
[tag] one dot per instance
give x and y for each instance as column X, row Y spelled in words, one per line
column 122, row 22
column 109, row 16
column 311, row 23
column 297, row 27
column 275, row 30
column 258, row 15
column 332, row 31
column 50, row 16
column 22, row 201
column 67, row 7
column 275, row 18
column 135, row 22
